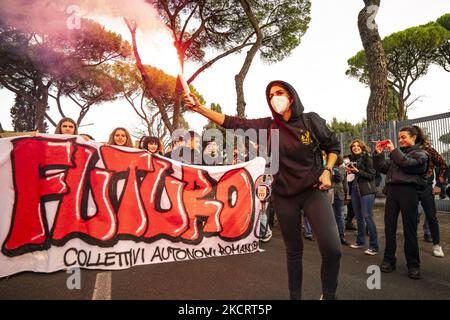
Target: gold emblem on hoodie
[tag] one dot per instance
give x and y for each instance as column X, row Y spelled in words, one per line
column 305, row 138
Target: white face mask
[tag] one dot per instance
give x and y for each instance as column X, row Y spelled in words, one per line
column 280, row 103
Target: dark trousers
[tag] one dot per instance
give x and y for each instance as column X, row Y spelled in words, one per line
column 318, row 210
column 404, row 199
column 270, row 213
column 429, row 207
column 350, row 213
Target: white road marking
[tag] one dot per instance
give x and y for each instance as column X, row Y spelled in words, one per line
column 102, row 289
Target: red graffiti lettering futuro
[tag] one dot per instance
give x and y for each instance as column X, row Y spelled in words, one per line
column 46, row 169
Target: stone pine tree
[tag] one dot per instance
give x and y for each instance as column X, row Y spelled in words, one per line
column 376, row 63
column 208, row 31
column 409, row 54
column 443, row 53
column 35, row 61
column 23, row 115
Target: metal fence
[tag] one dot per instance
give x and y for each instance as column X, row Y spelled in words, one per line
column 437, row 128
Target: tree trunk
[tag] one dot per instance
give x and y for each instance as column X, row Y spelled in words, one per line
column 41, row 108
column 178, row 100
column 145, row 78
column 376, row 62
column 240, row 99
column 400, row 104
column 401, row 109
column 240, row 77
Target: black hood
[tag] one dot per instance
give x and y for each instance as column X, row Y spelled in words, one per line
column 297, row 106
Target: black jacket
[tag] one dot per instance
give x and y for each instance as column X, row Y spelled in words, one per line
column 406, row 166
column 339, row 182
column 300, row 160
column 366, row 175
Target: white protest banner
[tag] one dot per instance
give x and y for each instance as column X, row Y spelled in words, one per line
column 70, row 203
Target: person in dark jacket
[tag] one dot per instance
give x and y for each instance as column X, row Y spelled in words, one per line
column 174, row 145
column 340, row 190
column 190, row 152
column 405, row 179
column 363, row 193
column 431, row 223
column 152, row 144
column 350, row 177
column 301, row 182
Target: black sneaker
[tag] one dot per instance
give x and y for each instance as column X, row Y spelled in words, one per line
column 414, row 273
column 344, row 242
column 387, row 267
column 322, row 297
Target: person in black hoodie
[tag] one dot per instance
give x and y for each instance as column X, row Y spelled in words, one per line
column 405, row 179
column 301, row 182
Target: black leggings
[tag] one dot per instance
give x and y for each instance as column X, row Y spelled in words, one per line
column 429, row 208
column 318, row 210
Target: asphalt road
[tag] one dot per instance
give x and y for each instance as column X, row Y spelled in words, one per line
column 258, row 276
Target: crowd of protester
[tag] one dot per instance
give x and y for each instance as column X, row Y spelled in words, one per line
column 414, row 174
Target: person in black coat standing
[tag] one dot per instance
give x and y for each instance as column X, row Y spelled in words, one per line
column 405, row 178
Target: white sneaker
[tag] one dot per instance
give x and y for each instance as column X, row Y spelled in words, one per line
column 437, row 251
column 356, row 246
column 371, row 252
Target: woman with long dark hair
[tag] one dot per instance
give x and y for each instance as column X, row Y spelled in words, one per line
column 152, row 144
column 427, row 196
column 405, row 179
column 363, row 191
